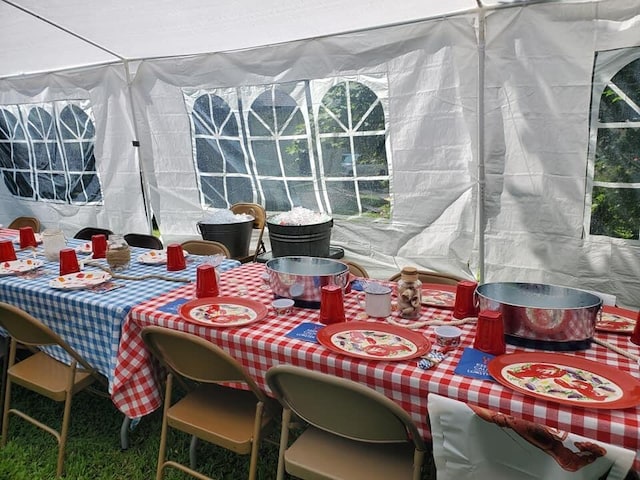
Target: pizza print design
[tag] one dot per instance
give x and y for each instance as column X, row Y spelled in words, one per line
column 18, row 266
column 374, row 344
column 562, row 382
column 223, row 314
column 440, row 298
column 612, row 322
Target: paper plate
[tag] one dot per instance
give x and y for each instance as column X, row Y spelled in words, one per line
column 373, row 341
column 156, row 257
column 222, row 311
column 79, row 280
column 19, row 266
column 440, row 296
column 566, row 379
column 85, row 248
column 616, row 320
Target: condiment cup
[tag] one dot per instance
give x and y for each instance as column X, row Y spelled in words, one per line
column 7, row 252
column 282, row 306
column 447, row 336
column 27, row 237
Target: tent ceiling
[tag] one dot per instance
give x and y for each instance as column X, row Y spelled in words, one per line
column 163, row 28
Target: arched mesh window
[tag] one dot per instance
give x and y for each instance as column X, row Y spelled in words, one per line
column 221, row 161
column 615, row 204
column 351, row 130
column 47, row 152
column 264, row 143
column 279, row 136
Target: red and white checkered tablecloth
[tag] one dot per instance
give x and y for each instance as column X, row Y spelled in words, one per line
column 259, row 346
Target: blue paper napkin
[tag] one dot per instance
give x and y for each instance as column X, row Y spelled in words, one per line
column 473, row 363
column 172, row 307
column 305, row 331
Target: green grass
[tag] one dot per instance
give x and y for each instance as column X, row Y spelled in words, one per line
column 93, row 446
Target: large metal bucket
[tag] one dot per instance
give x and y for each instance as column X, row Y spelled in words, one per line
column 542, row 316
column 302, row 278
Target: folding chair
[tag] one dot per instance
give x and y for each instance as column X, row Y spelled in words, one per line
column 143, row 240
column 42, row 373
column 260, row 219
column 231, row 418
column 205, row 247
column 354, row 432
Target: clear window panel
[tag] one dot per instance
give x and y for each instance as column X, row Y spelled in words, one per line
column 614, row 107
column 371, row 158
column 276, row 196
column 615, row 212
column 92, row 188
column 333, row 116
column 233, row 155
column 213, row 191
column 374, row 198
column 239, row 190
column 23, row 184
column 303, row 194
column 618, row 155
column 208, row 156
column 343, row 197
column 295, row 157
column 266, row 155
column 336, row 157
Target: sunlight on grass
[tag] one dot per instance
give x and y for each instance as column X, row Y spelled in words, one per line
column 93, row 446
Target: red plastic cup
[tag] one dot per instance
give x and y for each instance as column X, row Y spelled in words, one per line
column 635, row 336
column 27, row 237
column 99, row 245
column 175, row 258
column 331, row 305
column 465, row 304
column 206, row 281
column 7, row 252
column 68, row 261
column 490, row 333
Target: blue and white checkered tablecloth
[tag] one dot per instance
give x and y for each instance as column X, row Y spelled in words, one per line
column 91, row 321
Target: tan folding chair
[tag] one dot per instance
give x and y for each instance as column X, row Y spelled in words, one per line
column 42, row 373
column 353, row 431
column 260, row 219
column 20, row 222
column 228, row 417
column 143, row 240
column 355, row 269
column 432, row 277
column 205, row 247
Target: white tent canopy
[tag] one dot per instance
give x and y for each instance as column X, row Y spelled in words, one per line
column 487, row 110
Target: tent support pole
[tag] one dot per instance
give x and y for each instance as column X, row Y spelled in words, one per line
column 481, row 142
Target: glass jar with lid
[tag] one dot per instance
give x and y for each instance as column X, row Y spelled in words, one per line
column 118, row 253
column 409, row 293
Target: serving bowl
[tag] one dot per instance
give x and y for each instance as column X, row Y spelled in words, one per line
column 538, row 315
column 302, row 278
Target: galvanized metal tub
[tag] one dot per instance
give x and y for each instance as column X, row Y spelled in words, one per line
column 542, row 316
column 302, row 278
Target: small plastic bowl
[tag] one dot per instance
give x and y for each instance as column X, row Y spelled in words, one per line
column 282, row 305
column 448, row 336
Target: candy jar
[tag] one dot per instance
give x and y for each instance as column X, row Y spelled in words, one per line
column 409, row 293
column 118, row 253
